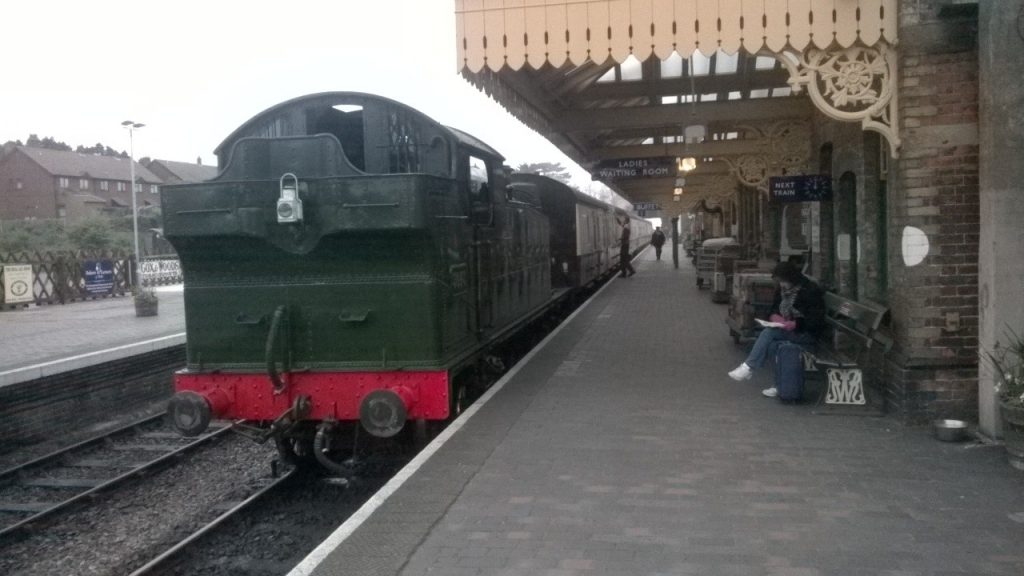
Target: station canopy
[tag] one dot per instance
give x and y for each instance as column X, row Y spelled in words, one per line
column 712, row 80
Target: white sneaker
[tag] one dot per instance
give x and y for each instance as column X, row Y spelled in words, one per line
column 742, row 372
column 770, row 392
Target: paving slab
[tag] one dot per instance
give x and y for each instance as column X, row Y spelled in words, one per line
column 623, row 448
column 43, row 340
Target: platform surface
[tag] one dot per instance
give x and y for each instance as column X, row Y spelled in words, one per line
column 622, row 448
column 69, row 336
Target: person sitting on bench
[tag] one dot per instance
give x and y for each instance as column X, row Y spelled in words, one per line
column 799, row 307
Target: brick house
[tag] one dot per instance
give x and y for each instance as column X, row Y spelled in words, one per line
column 43, row 183
column 171, row 172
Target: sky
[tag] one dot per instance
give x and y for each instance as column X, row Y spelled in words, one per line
column 193, row 71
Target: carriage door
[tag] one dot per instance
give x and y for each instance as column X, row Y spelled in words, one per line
column 482, row 217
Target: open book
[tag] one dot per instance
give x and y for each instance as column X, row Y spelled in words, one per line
column 768, row 324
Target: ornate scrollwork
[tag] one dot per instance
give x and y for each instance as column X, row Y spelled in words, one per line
column 750, row 169
column 856, row 84
column 714, row 194
column 786, row 150
column 789, row 145
column 851, row 78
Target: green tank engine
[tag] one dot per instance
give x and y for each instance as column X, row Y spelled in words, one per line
column 349, row 261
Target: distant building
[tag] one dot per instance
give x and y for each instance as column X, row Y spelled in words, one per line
column 171, row 172
column 43, row 183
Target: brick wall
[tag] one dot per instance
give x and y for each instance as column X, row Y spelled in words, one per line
column 41, row 409
column 932, row 371
column 36, row 197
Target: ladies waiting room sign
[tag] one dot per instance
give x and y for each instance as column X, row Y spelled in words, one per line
column 18, row 284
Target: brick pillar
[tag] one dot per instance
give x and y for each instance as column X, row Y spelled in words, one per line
column 1001, row 259
column 932, row 370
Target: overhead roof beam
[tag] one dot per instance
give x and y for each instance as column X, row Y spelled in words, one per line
column 579, row 78
column 583, row 121
column 606, row 137
column 740, row 82
column 708, row 148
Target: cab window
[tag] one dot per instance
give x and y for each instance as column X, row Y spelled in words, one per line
column 480, row 191
column 479, row 180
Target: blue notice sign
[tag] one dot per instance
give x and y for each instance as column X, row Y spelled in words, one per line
column 807, row 188
column 99, row 276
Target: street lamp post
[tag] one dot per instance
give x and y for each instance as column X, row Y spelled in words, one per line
column 131, row 126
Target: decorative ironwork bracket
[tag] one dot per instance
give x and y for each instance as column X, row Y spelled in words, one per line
column 786, row 147
column 855, row 84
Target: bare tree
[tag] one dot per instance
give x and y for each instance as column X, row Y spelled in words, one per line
column 553, row 170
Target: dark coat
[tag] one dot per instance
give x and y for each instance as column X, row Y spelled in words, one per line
column 657, row 238
column 810, row 302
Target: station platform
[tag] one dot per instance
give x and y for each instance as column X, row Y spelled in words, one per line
column 620, row 447
column 45, row 340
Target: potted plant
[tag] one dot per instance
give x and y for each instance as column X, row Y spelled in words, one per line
column 1007, row 362
column 145, row 302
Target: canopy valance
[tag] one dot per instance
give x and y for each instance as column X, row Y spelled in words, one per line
column 517, row 33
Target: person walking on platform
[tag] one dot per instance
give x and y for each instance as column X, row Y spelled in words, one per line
column 799, row 309
column 624, row 255
column 657, row 240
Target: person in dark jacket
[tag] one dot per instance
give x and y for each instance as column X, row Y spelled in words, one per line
column 624, row 255
column 800, row 309
column 657, row 240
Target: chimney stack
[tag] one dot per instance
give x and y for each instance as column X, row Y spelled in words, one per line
column 199, row 160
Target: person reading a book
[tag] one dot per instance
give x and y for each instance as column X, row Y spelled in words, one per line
column 798, row 317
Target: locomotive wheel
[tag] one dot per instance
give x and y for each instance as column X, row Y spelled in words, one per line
column 458, row 402
column 421, row 433
column 295, row 451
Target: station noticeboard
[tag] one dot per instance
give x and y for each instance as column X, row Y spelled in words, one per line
column 803, row 188
column 99, row 276
column 18, row 284
column 633, row 168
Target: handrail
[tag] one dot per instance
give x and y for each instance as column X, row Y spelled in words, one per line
column 275, row 323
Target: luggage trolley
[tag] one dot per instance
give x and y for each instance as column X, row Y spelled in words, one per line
column 753, row 293
column 725, row 267
column 706, row 256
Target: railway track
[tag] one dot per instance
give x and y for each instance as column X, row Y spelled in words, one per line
column 273, row 529
column 159, row 564
column 41, row 487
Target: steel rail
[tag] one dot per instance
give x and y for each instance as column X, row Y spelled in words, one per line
column 22, row 524
column 151, row 566
column 84, row 443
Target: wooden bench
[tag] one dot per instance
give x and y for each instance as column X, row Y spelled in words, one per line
column 845, row 347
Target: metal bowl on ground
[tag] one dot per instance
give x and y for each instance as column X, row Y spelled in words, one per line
column 950, row 430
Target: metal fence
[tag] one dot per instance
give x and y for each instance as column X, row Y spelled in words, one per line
column 60, row 277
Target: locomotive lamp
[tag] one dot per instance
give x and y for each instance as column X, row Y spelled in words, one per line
column 289, row 206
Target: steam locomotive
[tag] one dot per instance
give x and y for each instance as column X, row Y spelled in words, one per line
column 354, row 260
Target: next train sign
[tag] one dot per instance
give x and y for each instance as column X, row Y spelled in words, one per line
column 629, row 168
column 804, row 188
